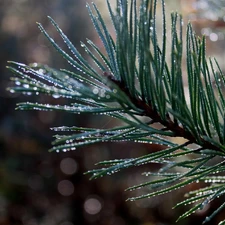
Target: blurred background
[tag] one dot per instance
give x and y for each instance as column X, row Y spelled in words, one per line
column 42, row 188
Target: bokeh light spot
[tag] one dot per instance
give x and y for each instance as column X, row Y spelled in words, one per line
column 65, row 187
column 35, row 182
column 213, row 37
column 68, row 166
column 92, row 206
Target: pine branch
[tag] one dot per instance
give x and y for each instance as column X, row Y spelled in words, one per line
column 177, row 130
column 135, row 79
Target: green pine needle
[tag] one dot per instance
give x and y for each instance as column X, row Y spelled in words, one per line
column 135, row 79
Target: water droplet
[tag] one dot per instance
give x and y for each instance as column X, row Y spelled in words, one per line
column 102, row 93
column 41, row 71
column 34, row 65
column 95, row 91
column 56, row 96
column 26, row 85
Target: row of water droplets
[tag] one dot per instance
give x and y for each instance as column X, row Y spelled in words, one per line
column 56, row 90
column 81, row 65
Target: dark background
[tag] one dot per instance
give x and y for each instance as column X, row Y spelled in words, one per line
column 42, row 188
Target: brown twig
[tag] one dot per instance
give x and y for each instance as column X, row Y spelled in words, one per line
column 168, row 124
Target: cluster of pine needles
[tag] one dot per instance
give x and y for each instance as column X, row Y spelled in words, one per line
column 133, row 79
